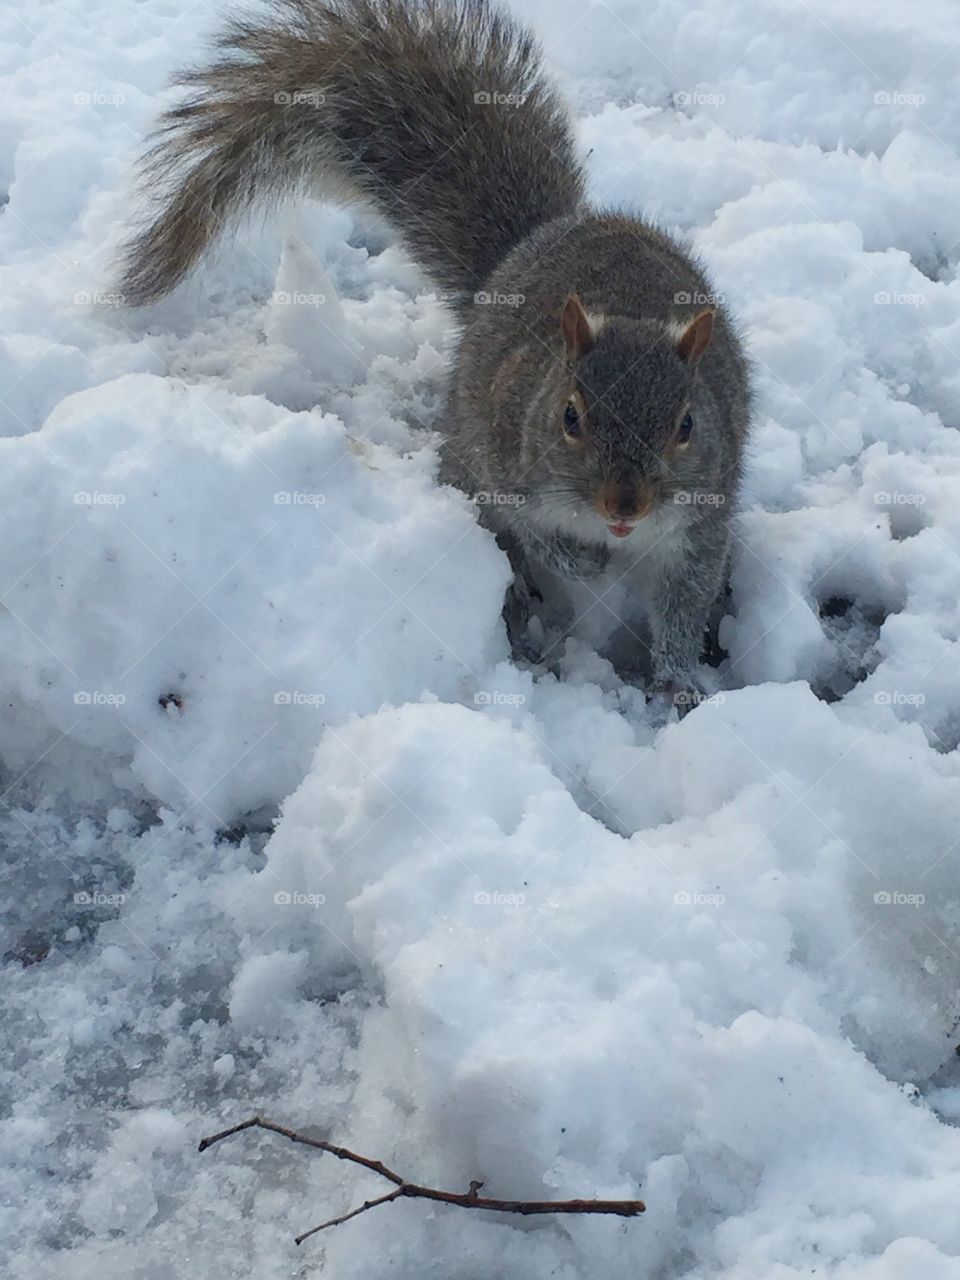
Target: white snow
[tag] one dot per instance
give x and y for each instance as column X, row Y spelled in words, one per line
column 285, row 831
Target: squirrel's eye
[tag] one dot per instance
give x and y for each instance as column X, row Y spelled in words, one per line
column 686, row 429
column 571, row 420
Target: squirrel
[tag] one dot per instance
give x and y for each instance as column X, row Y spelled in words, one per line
column 599, row 400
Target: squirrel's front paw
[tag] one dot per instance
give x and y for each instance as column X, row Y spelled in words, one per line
column 523, row 631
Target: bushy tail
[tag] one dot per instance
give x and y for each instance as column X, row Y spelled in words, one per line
column 436, row 112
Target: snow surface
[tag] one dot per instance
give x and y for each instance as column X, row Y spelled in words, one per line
column 285, row 831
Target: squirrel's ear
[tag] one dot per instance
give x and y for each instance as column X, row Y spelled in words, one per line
column 577, row 333
column 695, row 338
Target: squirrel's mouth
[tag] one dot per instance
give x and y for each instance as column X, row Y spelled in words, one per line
column 622, row 509
column 622, row 528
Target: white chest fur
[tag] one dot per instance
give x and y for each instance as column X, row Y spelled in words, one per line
column 622, row 595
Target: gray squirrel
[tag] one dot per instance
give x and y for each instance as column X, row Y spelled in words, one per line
column 599, row 401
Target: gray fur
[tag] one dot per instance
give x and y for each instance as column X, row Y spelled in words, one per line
column 378, row 100
column 514, row 376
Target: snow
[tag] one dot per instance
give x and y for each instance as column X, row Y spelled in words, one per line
column 286, row 832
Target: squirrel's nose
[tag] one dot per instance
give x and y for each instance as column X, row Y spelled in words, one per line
column 626, row 502
column 620, row 501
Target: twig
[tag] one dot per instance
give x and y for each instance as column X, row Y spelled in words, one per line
column 335, row 1222
column 411, row 1190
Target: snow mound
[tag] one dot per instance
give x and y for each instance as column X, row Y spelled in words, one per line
column 242, row 573
column 685, row 1010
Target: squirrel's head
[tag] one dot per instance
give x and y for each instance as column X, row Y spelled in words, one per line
column 626, row 422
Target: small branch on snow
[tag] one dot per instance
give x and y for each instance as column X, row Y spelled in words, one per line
column 412, row 1191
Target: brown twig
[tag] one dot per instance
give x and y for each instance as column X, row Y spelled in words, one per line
column 466, row 1200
